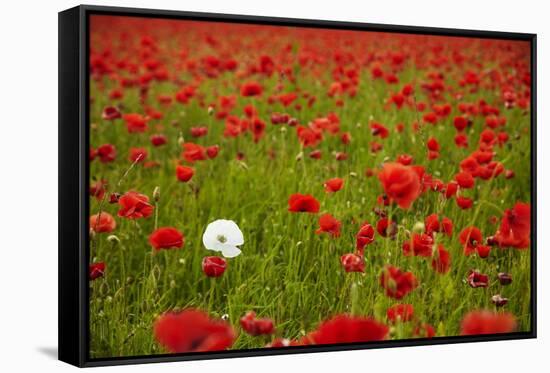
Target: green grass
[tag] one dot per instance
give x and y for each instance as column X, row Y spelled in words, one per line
column 286, row 271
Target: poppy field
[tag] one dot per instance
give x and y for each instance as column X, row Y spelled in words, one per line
column 256, row 186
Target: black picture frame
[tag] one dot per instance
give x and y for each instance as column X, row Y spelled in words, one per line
column 74, row 175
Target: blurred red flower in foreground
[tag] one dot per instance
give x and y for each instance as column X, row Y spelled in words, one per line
column 333, row 185
column 329, row 224
column 348, row 329
column 352, row 262
column 401, row 183
column 515, row 227
column 255, row 326
column 303, row 203
column 192, row 331
column 487, row 322
column 400, row 312
column 166, row 238
column 134, row 206
column 396, row 282
column 102, row 222
column 213, row 266
column 97, row 270
column 184, row 173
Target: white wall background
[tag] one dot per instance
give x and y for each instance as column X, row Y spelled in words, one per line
column 28, row 185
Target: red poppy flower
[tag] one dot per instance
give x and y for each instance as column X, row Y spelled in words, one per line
column 487, row 322
column 158, row 140
column 433, row 145
column 450, row 189
column 419, row 245
column 106, row 153
column 405, row 159
column 345, row 138
column 98, row 189
column 386, row 227
column 166, row 238
column 137, row 154
column 193, row 152
column 308, row 137
column 255, row 326
column 464, row 202
column 460, row 123
column 199, row 131
column 251, row 89
column 134, row 205
column 364, row 237
column 400, row 313
column 504, row 278
column 258, row 129
column 465, row 180
column 333, row 185
column 353, row 262
column 470, row 238
column 192, row 331
column 397, row 283
column 135, row 123
column 348, row 329
column 213, row 266
column 102, row 222
column 401, row 183
column 441, row 261
column 515, row 227
column 315, row 154
column 212, row 151
column 378, row 129
column 433, row 224
column 110, row 113
column 184, row 173
column 303, row 203
column 478, row 280
column 329, row 224
column 97, row 270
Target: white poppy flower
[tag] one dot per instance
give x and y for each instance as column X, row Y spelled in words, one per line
column 223, row 236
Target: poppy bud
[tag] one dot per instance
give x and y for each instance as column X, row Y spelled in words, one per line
column 498, row 300
column 419, row 227
column 181, row 140
column 504, row 278
column 211, row 110
column 113, row 239
column 300, row 156
column 156, row 194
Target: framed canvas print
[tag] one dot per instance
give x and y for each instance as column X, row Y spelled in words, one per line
column 239, row 185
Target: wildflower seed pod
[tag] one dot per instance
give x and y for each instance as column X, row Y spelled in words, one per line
column 156, row 194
